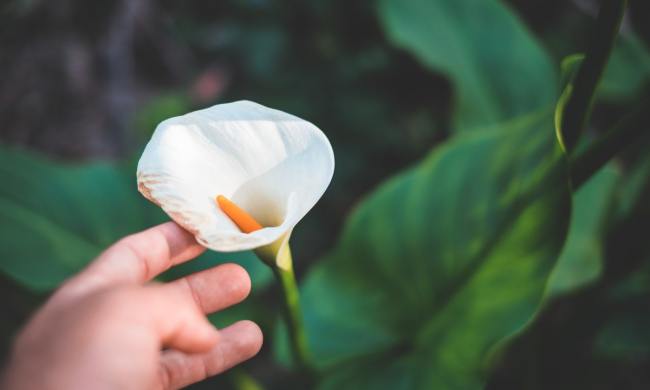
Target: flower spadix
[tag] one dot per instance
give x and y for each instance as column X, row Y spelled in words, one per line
column 270, row 165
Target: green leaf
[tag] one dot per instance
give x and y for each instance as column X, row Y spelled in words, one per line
column 498, row 69
column 628, row 70
column 57, row 217
column 241, row 380
column 581, row 261
column 630, row 191
column 442, row 262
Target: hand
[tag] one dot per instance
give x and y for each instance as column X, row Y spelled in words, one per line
column 110, row 327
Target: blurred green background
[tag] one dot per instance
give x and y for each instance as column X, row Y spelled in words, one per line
column 446, row 253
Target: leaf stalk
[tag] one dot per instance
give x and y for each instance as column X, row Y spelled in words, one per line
column 576, row 102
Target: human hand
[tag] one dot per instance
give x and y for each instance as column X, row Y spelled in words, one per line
column 110, row 327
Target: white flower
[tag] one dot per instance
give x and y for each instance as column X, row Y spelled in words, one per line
column 270, row 163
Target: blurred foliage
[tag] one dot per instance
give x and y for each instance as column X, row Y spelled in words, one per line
column 592, row 338
column 157, row 110
column 57, row 217
column 485, row 50
column 628, row 70
column 581, row 260
column 439, row 115
column 457, row 268
column 626, row 74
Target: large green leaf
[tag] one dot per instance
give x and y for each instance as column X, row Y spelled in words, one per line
column 581, row 261
column 55, row 218
column 498, row 69
column 442, row 262
column 628, row 70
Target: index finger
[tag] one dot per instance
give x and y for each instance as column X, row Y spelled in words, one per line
column 140, row 257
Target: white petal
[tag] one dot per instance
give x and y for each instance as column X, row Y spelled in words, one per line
column 272, row 164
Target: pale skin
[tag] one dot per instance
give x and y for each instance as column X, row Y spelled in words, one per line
column 111, row 327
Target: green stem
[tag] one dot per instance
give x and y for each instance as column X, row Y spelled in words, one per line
column 283, row 270
column 629, row 130
column 578, row 107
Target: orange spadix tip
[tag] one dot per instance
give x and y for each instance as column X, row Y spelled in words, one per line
column 243, row 220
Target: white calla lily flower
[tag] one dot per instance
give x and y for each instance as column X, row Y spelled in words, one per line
column 272, row 164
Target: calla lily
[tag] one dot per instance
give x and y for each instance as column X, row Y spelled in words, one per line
column 273, row 165
column 240, row 176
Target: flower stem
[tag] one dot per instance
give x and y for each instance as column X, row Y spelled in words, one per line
column 283, row 270
column 576, row 110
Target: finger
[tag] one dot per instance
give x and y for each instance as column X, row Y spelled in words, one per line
column 178, row 321
column 139, row 257
column 239, row 342
column 215, row 288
